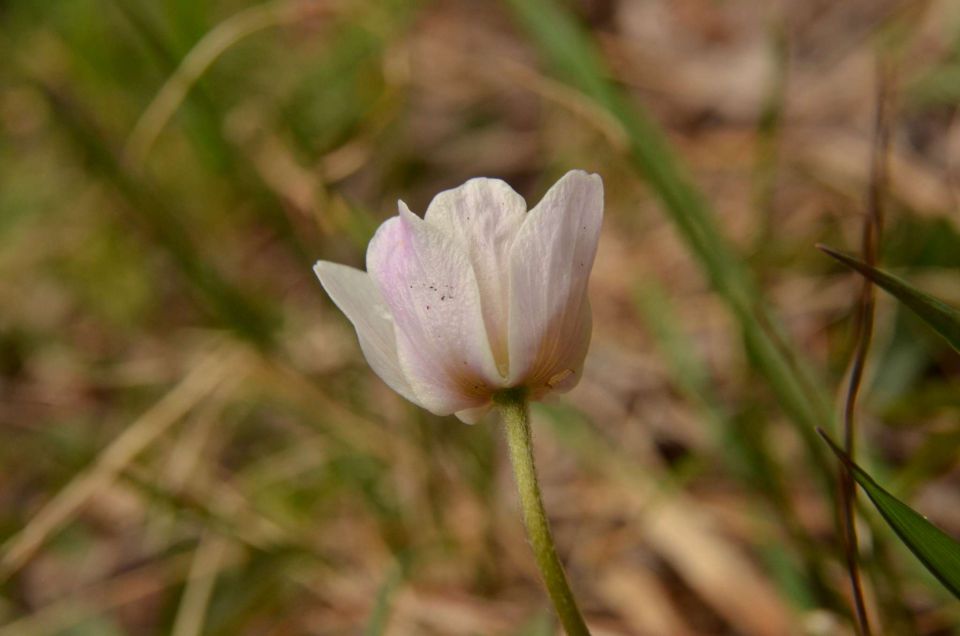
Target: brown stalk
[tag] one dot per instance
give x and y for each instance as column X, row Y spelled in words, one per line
column 866, row 303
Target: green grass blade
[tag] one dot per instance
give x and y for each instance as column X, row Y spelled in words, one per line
column 229, row 304
column 380, row 615
column 938, row 552
column 744, row 446
column 944, row 319
column 567, row 47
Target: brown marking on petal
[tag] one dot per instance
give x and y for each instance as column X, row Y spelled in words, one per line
column 557, row 378
column 464, row 380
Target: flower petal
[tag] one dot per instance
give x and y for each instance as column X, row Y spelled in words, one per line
column 427, row 281
column 550, row 262
column 472, row 416
column 484, row 215
column 355, row 293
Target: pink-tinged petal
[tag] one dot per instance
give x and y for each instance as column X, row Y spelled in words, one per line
column 354, row 292
column 484, row 215
column 472, row 416
column 427, row 282
column 550, row 261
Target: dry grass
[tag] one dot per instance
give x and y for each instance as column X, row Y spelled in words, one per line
column 193, row 444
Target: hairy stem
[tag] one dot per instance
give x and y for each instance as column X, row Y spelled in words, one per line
column 513, row 408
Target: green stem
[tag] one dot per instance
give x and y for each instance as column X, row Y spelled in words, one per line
column 513, row 408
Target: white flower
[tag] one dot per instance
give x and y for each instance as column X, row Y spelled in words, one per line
column 479, row 295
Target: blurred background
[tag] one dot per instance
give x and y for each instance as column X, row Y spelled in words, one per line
column 191, row 442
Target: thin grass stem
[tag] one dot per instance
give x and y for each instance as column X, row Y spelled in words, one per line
column 866, row 305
